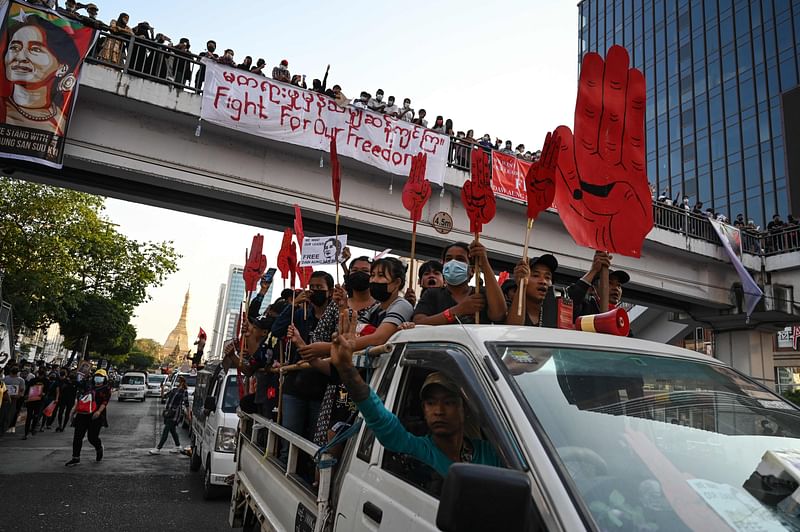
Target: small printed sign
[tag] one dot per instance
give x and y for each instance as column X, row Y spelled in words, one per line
column 321, row 250
column 442, row 222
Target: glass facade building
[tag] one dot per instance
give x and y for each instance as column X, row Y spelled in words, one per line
column 715, row 72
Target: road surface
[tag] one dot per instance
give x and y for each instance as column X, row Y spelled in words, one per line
column 128, row 490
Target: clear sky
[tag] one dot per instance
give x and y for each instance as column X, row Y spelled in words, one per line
column 507, row 68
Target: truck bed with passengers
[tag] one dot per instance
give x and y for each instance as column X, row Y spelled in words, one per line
column 594, row 431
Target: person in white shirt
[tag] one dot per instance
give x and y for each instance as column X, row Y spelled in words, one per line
column 362, row 102
column 377, row 104
column 406, row 112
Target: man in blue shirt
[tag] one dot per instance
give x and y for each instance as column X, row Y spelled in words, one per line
column 442, row 406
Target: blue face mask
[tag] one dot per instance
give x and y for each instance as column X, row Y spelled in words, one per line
column 455, row 272
column 99, row 380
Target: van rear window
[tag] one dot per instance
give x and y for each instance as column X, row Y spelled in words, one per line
column 132, row 379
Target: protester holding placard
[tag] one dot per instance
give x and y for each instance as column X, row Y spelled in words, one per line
column 457, row 302
column 538, row 279
column 303, row 390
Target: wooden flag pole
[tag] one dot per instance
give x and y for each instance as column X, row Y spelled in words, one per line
column 521, row 287
column 603, row 289
column 413, row 253
column 337, row 245
column 477, row 278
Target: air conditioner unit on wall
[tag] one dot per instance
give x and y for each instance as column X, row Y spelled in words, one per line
column 778, row 298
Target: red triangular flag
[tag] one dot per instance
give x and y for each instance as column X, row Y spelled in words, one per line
column 502, row 278
column 298, row 226
column 336, row 178
column 304, row 273
column 202, row 333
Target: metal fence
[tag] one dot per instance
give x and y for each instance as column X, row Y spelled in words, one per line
column 148, row 59
column 184, row 71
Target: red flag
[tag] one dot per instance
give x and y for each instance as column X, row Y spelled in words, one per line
column 336, row 178
column 602, row 193
column 255, row 264
column 540, row 184
column 477, row 194
column 298, row 226
column 502, row 278
column 304, row 273
column 417, row 189
column 202, row 334
column 283, row 254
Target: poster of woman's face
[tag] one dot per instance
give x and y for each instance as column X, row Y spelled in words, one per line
column 42, row 56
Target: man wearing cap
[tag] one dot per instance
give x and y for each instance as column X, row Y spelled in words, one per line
column 281, row 72
column 538, row 278
column 442, row 407
column 583, row 305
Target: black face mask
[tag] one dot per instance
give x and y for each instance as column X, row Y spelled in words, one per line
column 319, row 297
column 380, row 291
column 358, row 281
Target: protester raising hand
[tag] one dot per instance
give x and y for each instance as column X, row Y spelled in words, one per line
column 340, row 296
column 344, row 342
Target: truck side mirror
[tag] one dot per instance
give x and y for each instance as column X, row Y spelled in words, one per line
column 463, row 506
column 210, row 403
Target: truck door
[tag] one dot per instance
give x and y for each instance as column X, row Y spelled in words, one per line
column 389, row 491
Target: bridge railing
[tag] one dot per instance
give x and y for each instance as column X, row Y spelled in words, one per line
column 148, row 59
column 184, row 71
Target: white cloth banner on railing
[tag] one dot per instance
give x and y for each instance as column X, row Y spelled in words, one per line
column 247, row 102
column 731, row 239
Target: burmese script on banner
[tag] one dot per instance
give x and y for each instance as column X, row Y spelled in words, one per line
column 259, row 106
column 43, row 56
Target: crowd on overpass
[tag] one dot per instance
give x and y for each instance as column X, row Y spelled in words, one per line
column 178, row 65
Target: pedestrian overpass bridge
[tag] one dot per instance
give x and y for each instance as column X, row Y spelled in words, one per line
column 139, row 140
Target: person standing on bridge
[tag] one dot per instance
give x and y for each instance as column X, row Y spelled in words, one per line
column 90, row 416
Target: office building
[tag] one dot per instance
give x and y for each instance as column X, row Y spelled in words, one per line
column 717, row 72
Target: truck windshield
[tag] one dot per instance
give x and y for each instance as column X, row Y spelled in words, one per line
column 659, row 443
column 230, row 399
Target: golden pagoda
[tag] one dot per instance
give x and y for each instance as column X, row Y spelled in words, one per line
column 177, row 345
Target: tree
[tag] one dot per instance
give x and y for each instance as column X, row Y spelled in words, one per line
column 104, row 320
column 144, row 353
column 56, row 247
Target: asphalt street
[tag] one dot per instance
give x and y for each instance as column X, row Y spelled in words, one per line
column 128, row 490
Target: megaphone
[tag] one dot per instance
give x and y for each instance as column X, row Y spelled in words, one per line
column 612, row 322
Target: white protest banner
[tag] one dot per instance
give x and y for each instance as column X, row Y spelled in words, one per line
column 259, row 106
column 321, row 250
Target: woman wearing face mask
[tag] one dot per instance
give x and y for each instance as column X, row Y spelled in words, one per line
column 438, row 126
column 303, row 390
column 90, row 416
column 360, row 301
column 457, row 301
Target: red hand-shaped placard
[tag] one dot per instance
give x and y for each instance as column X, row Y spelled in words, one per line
column 298, row 226
column 602, row 194
column 255, row 264
column 283, row 254
column 477, row 194
column 417, row 189
column 540, row 184
column 503, row 277
column 336, row 178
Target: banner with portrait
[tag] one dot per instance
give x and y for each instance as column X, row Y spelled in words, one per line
column 43, row 54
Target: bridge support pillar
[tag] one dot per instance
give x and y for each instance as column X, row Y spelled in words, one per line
column 749, row 351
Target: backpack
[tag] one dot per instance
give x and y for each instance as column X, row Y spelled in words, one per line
column 86, row 404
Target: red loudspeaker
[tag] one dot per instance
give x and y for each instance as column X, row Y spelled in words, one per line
column 612, row 322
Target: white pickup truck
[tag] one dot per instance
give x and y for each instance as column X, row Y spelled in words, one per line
column 596, row 432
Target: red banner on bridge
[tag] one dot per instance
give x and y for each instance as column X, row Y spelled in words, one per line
column 508, row 176
column 43, row 53
column 260, row 106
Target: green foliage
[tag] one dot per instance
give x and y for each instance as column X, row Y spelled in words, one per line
column 143, row 354
column 65, row 262
column 793, row 396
